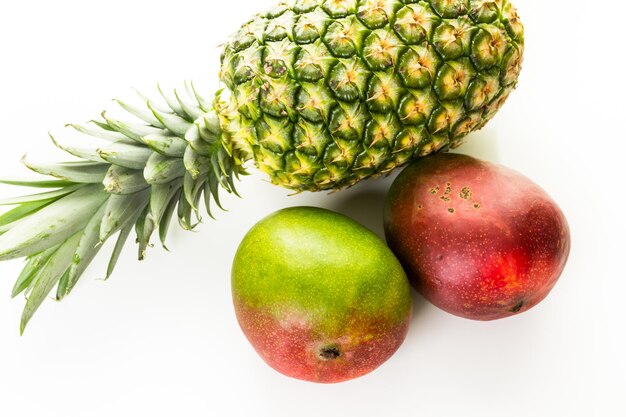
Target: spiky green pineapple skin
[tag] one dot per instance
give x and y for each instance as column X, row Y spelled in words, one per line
column 324, row 94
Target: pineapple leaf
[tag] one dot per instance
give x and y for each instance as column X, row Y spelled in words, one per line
column 161, row 196
column 231, row 185
column 119, row 209
column 83, row 172
column 166, row 144
column 37, row 183
column 99, row 130
column 207, row 198
column 219, row 159
column 24, row 281
column 191, row 188
column 166, row 219
column 84, row 153
column 22, row 211
column 31, row 269
column 213, row 190
column 62, row 286
column 195, row 163
column 53, row 224
column 144, row 115
column 156, row 105
column 162, row 169
column 196, row 201
column 190, row 110
column 121, row 180
column 87, row 249
column 173, row 104
column 211, row 125
column 5, row 228
column 173, row 122
column 206, row 134
column 202, row 103
column 184, row 214
column 217, row 174
column 48, row 196
column 133, row 156
column 144, row 228
column 133, row 131
column 54, row 268
column 197, row 143
column 119, row 245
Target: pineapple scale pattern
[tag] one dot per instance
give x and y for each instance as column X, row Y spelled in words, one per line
column 324, row 94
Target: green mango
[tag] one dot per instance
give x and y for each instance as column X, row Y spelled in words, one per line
column 320, row 297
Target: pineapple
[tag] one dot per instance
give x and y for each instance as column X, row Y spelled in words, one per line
column 318, row 94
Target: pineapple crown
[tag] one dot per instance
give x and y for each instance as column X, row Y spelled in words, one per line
column 131, row 175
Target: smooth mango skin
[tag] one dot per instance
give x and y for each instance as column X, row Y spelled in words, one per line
column 320, row 297
column 477, row 239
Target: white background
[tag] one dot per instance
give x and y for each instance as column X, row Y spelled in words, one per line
column 160, row 338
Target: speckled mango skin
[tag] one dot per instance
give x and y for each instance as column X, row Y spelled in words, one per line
column 320, row 297
column 478, row 240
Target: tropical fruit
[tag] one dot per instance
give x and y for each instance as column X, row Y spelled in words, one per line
column 327, row 93
column 320, row 297
column 477, row 239
column 318, row 94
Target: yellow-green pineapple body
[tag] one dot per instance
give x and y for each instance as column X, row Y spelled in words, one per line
column 327, row 93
